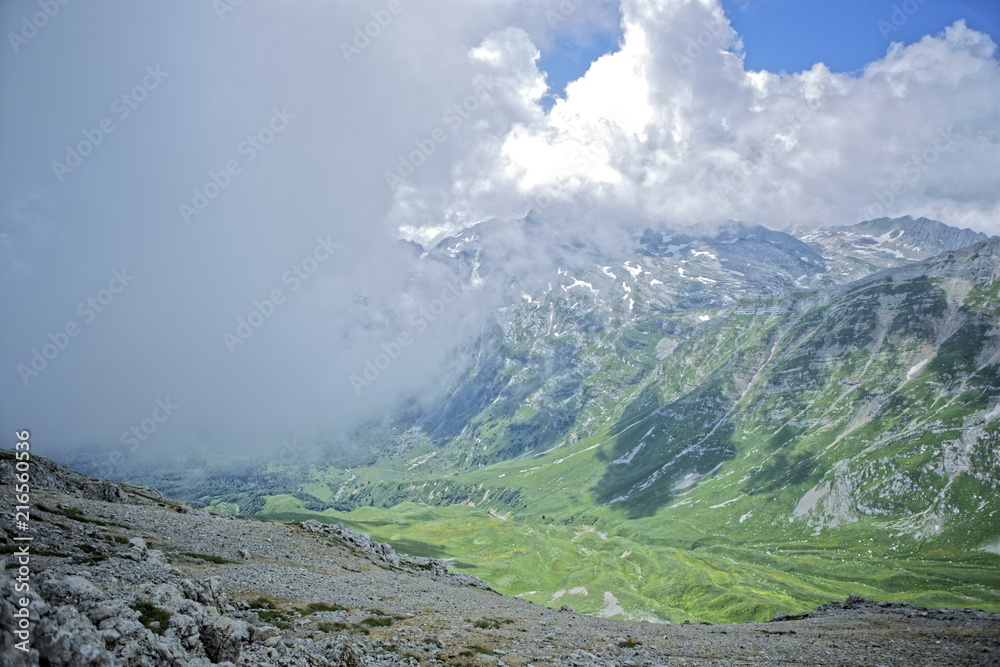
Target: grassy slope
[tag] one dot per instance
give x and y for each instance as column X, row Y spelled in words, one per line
column 775, row 407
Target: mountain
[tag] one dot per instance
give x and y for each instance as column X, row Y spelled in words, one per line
column 856, row 250
column 118, row 574
column 713, row 427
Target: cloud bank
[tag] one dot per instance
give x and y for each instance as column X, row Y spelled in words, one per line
column 202, row 204
column 673, row 128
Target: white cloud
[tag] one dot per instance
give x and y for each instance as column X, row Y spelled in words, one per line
column 672, row 128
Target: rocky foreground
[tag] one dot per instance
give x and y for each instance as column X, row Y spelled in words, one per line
column 120, row 575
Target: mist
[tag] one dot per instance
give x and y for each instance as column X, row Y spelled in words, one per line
column 210, row 210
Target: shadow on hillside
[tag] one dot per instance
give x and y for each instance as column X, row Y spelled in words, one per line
column 660, row 447
column 418, row 548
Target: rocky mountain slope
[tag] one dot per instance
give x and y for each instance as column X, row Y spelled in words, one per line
column 857, row 250
column 121, row 575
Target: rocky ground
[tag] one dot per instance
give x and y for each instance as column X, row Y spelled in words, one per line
column 121, row 575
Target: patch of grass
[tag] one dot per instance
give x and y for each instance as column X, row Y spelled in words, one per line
column 326, row 626
column 476, row 648
column 272, row 616
column 77, row 515
column 629, row 643
column 313, row 607
column 150, row 614
column 378, row 621
column 487, row 624
column 261, row 603
column 218, row 560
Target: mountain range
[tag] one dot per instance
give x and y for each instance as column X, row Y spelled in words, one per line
column 706, row 426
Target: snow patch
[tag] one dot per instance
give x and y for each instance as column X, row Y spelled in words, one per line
column 607, row 272
column 993, row 414
column 704, row 318
column 634, row 271
column 915, row 369
column 577, row 281
column 746, row 516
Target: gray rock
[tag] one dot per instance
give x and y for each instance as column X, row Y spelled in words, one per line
column 223, row 639
column 65, row 637
column 212, row 595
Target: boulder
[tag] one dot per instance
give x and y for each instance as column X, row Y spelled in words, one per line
column 223, row 638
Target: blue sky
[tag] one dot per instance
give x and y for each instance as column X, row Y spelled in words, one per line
column 793, row 35
column 569, row 58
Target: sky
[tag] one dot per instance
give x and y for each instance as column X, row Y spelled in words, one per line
column 846, row 35
column 202, row 203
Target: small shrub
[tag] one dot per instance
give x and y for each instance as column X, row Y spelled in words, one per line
column 272, row 616
column 321, row 606
column 150, row 613
column 378, row 621
column 326, row 626
column 261, row 603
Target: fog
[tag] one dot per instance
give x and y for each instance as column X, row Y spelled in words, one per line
column 204, row 204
